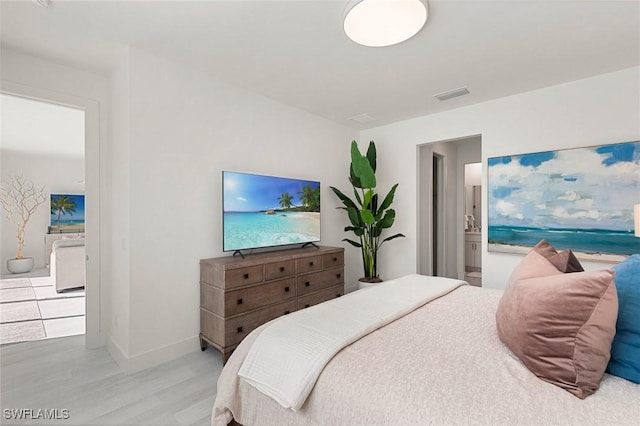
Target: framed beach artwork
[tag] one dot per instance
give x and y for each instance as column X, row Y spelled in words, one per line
column 580, row 199
column 67, row 213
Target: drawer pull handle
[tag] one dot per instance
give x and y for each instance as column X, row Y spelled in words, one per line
column 311, row 263
column 286, row 289
column 335, row 259
column 282, row 269
column 307, row 305
column 338, row 275
column 307, row 284
column 239, row 329
column 246, row 276
column 240, row 301
column 286, row 312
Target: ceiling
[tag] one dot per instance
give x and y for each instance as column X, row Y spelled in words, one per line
column 39, row 128
column 296, row 51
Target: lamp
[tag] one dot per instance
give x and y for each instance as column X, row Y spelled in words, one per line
column 378, row 23
column 636, row 215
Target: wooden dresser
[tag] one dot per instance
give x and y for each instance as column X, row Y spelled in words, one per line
column 237, row 295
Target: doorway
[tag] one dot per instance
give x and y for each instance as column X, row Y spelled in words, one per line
column 440, row 203
column 43, row 164
column 94, row 316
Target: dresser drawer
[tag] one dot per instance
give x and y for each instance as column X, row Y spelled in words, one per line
column 243, row 276
column 309, row 283
column 333, row 259
column 279, row 270
column 235, row 302
column 308, row 264
column 320, row 296
column 248, row 299
column 238, row 327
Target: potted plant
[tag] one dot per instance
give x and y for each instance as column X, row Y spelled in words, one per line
column 20, row 200
column 368, row 217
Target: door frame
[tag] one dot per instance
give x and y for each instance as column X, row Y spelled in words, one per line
column 94, row 333
column 454, row 239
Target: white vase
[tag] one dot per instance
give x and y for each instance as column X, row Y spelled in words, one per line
column 20, row 266
column 364, row 284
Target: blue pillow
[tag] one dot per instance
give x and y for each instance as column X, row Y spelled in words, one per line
column 625, row 349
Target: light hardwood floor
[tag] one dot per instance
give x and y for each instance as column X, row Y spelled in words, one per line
column 61, row 374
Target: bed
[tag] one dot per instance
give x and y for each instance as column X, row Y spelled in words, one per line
column 442, row 363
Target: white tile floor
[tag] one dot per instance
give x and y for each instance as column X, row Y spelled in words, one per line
column 31, row 309
column 60, row 327
column 59, row 308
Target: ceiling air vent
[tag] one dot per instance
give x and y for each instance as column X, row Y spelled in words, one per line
column 363, row 118
column 451, row 94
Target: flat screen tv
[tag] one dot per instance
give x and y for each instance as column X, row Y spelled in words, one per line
column 267, row 211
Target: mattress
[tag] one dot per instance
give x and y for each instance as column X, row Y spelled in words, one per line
column 440, row 364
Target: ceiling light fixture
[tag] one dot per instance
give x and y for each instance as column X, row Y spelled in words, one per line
column 42, row 3
column 378, row 23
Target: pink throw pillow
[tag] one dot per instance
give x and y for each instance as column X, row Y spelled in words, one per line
column 559, row 325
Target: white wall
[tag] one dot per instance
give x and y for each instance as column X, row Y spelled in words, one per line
column 119, row 308
column 58, row 175
column 183, row 128
column 473, row 174
column 592, row 111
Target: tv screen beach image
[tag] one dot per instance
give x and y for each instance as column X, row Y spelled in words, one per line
column 267, row 211
column 67, row 213
column 580, row 199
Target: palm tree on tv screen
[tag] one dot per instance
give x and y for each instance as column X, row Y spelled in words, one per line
column 60, row 205
column 310, row 198
column 285, row 200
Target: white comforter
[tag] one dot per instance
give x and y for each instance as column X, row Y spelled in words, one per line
column 441, row 364
column 289, row 355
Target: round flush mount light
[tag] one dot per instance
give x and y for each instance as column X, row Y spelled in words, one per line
column 378, row 23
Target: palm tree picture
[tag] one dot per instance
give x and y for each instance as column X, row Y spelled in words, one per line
column 67, row 210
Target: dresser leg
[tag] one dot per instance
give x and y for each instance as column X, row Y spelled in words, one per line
column 203, row 344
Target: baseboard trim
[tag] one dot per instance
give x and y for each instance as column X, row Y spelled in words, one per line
column 117, row 353
column 153, row 357
column 163, row 354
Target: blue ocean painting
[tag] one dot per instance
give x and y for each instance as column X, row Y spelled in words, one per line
column 67, row 212
column 267, row 211
column 580, row 199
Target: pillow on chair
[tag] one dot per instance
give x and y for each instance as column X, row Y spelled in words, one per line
column 560, row 325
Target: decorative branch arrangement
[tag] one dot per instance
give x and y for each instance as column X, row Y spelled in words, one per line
column 20, row 199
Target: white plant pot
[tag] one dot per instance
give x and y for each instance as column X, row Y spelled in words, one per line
column 363, row 284
column 20, row 266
